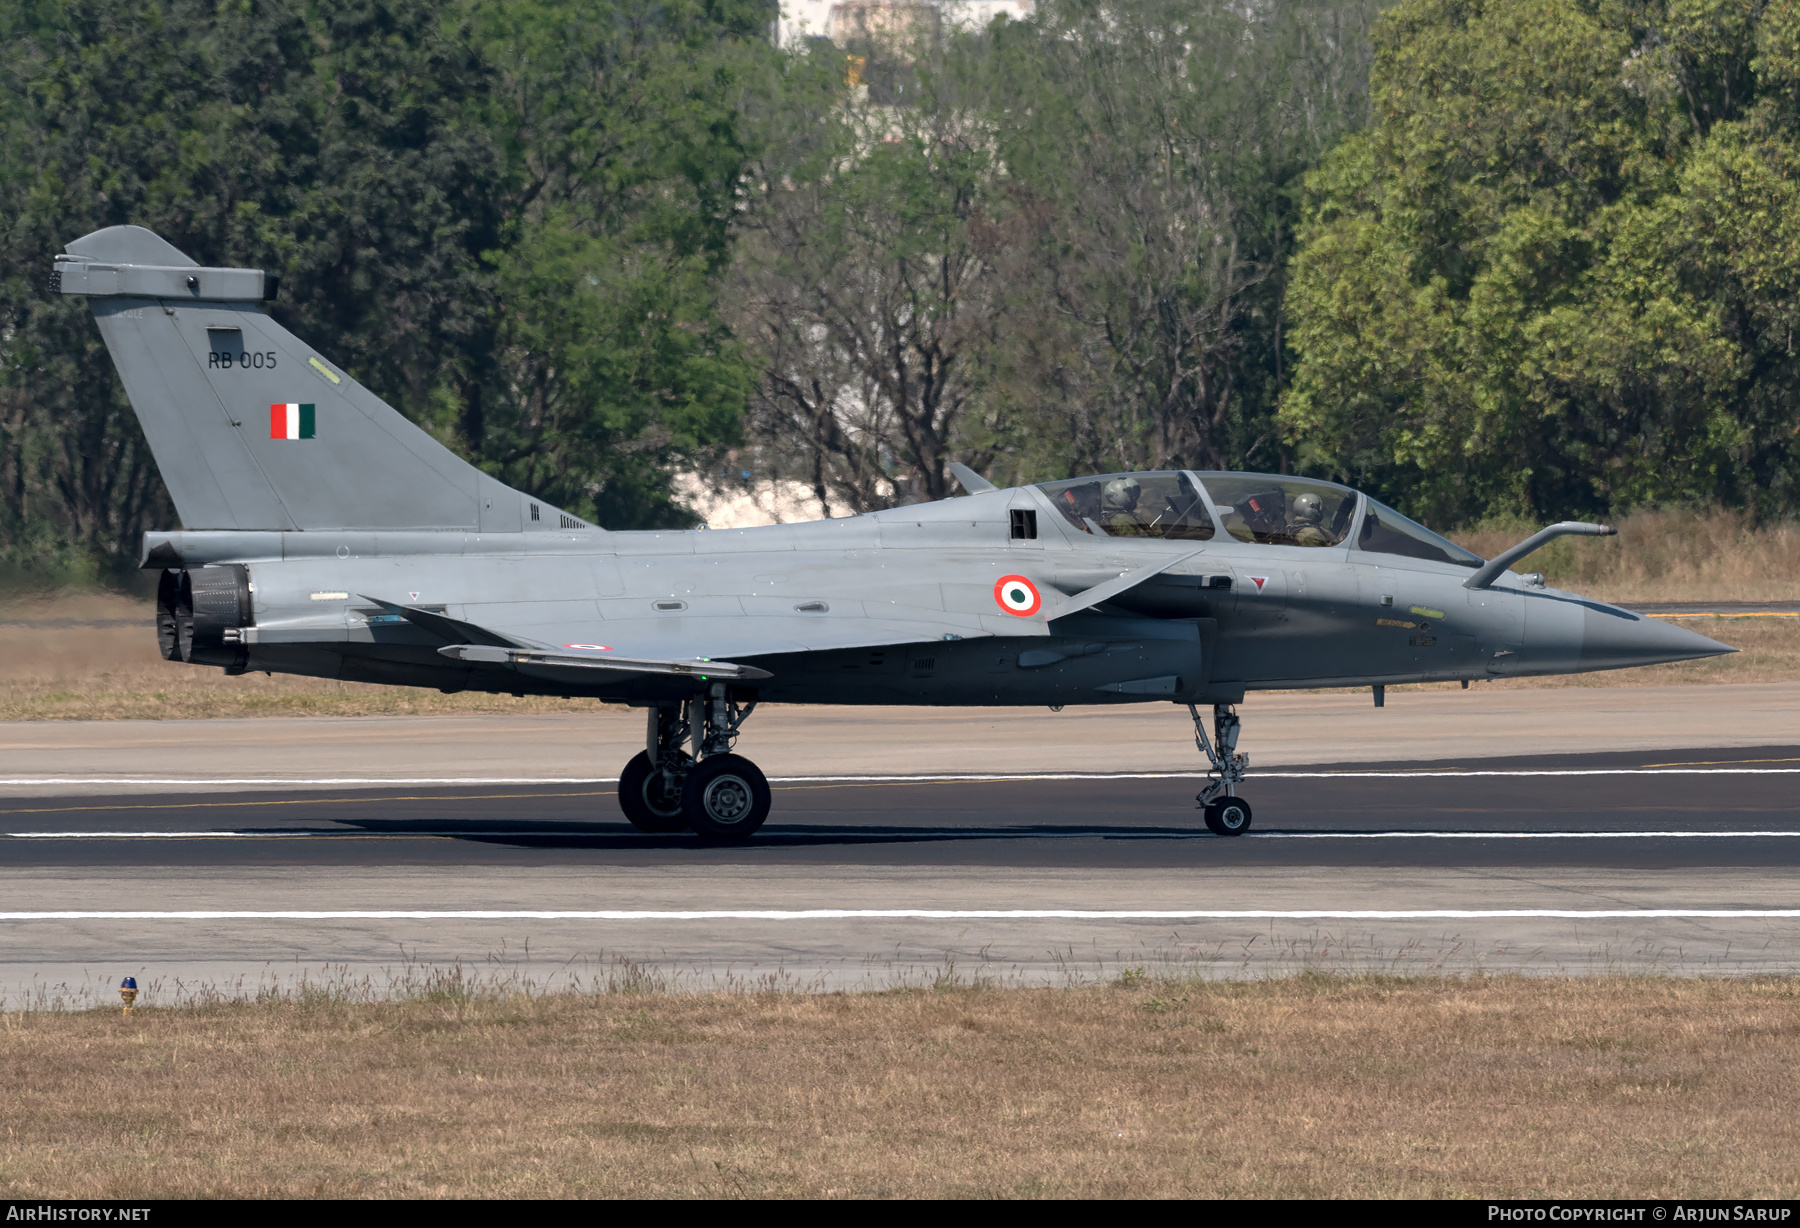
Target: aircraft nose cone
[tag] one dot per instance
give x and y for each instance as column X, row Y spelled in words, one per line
column 1612, row 638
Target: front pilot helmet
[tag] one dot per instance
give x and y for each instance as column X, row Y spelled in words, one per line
column 1308, row 509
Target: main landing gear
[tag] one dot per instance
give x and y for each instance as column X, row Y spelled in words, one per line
column 687, row 777
column 1227, row 814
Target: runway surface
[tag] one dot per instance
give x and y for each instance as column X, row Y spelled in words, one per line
column 1632, row 861
column 1281, row 730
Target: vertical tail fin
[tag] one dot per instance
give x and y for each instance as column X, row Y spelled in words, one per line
column 250, row 427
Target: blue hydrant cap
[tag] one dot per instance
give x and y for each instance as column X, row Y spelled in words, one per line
column 129, row 982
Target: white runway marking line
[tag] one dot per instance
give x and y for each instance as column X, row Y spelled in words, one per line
column 864, row 833
column 298, row 782
column 948, row 777
column 917, row 914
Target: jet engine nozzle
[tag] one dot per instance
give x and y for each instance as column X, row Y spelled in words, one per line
column 198, row 610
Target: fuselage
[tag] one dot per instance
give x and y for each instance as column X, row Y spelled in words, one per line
column 903, row 606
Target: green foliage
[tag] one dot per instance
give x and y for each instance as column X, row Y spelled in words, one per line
column 1152, row 152
column 867, row 278
column 508, row 219
column 1558, row 274
column 1053, row 245
column 1544, row 261
column 622, row 143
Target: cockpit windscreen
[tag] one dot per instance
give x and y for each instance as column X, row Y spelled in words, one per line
column 1281, row 511
column 1385, row 531
column 1134, row 505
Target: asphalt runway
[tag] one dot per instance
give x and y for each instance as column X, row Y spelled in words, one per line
column 1645, row 811
column 1640, row 861
column 1282, row 730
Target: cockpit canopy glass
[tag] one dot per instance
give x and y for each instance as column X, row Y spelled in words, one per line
column 1280, row 511
column 1134, row 505
column 1385, row 531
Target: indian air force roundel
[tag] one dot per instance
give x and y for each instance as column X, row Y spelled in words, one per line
column 1017, row 595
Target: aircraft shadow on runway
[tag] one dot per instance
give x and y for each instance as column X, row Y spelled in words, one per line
column 621, row 835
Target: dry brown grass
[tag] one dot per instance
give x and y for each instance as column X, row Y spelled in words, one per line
column 1663, row 555
column 1308, row 1087
column 113, row 673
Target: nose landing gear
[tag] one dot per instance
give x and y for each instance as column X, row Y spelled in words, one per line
column 671, row 787
column 1226, row 813
column 1228, row 816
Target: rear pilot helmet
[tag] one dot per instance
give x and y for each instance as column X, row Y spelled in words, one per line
column 1122, row 493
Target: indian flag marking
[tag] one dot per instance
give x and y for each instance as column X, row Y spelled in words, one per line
column 290, row 421
column 1017, row 595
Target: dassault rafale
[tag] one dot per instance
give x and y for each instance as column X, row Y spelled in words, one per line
column 329, row 536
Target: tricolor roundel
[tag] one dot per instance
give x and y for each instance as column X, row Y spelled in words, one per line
column 290, row 421
column 1017, row 595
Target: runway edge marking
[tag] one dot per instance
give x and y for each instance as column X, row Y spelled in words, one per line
column 909, row 914
column 1089, row 833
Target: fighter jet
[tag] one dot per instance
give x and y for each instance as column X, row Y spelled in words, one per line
column 328, row 536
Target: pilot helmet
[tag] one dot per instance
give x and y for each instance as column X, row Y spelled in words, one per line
column 1308, row 509
column 1122, row 492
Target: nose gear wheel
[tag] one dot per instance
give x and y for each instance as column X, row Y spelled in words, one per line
column 1228, row 816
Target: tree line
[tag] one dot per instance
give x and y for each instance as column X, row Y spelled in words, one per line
column 1509, row 256
column 509, row 218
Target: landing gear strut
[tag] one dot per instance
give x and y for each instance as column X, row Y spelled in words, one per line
column 700, row 785
column 1227, row 814
column 650, row 785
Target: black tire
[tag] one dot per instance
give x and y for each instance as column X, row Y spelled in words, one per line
column 726, row 798
column 645, row 798
column 1228, row 816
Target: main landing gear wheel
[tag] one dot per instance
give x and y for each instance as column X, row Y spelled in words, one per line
column 1228, row 816
column 726, row 798
column 650, row 797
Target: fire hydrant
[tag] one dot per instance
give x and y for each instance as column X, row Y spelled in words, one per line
column 128, row 991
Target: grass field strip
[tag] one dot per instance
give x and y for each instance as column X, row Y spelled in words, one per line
column 924, row 778
column 915, row 914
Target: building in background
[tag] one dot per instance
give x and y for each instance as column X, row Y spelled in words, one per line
column 844, row 21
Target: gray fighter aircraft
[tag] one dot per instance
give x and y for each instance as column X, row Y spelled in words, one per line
column 329, row 536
